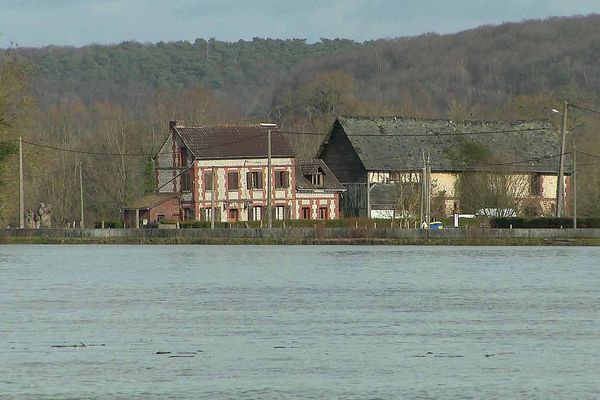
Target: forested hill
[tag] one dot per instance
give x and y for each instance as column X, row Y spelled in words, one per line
column 120, row 73
column 425, row 74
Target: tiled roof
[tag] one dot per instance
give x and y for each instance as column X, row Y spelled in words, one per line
column 397, row 143
column 308, row 168
column 150, row 201
column 220, row 142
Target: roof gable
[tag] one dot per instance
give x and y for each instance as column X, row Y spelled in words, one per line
column 305, row 170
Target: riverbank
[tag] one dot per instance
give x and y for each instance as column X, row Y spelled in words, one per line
column 299, row 236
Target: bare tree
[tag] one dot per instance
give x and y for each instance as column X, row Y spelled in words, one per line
column 408, row 194
column 491, row 193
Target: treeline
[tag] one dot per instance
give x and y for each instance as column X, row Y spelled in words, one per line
column 118, row 99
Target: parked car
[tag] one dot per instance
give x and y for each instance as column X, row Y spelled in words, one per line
column 436, row 225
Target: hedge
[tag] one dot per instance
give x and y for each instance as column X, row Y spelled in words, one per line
column 109, row 224
column 551, row 223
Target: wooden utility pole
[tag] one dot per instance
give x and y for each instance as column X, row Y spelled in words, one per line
column 21, row 196
column 574, row 179
column 560, row 189
column 423, row 175
column 368, row 186
column 81, row 223
column 428, row 181
column 269, row 194
column 212, row 200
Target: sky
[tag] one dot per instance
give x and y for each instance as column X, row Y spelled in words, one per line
column 37, row 23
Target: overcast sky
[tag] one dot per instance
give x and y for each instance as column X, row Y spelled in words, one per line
column 34, row 23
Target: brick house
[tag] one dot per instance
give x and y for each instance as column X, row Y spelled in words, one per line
column 224, row 168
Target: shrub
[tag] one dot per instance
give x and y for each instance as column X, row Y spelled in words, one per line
column 548, row 223
column 109, row 224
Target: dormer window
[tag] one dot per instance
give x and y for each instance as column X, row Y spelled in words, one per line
column 317, row 179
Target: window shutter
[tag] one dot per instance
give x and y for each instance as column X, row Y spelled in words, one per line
column 248, row 180
column 260, row 181
column 286, row 179
column 232, row 181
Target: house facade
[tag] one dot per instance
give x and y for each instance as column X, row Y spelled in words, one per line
column 377, row 160
column 224, row 170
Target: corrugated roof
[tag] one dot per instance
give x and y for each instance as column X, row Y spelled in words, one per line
column 397, row 143
column 218, row 142
column 306, row 168
column 150, row 201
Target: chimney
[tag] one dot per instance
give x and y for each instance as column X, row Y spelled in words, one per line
column 172, row 125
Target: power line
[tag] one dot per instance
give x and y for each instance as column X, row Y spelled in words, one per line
column 511, row 163
column 584, row 109
column 431, row 133
column 588, row 154
column 97, row 153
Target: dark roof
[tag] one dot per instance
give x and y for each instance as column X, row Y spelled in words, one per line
column 150, row 201
column 397, row 143
column 219, row 142
column 310, row 167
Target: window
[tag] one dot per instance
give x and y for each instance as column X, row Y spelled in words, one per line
column 254, row 180
column 208, row 180
column 305, row 212
column 232, row 181
column 206, row 213
column 234, row 215
column 186, row 181
column 536, row 184
column 255, row 213
column 282, row 179
column 279, row 213
column 160, row 217
column 182, row 157
column 323, row 213
column 317, row 179
column 188, row 214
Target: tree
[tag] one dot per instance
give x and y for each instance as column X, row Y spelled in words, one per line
column 491, row 193
column 15, row 108
column 408, row 198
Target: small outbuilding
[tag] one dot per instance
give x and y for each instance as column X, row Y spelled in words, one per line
column 151, row 209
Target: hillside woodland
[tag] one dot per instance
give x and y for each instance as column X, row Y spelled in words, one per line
column 111, row 104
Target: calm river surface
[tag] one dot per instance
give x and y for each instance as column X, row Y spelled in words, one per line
column 299, row 322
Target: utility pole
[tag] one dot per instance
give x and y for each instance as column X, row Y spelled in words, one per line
column 81, row 223
column 428, row 182
column 368, row 186
column 560, row 190
column 269, row 126
column 21, row 197
column 574, row 178
column 423, row 175
column 212, row 200
column 269, row 194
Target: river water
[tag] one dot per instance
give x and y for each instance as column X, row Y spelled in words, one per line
column 299, row 322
